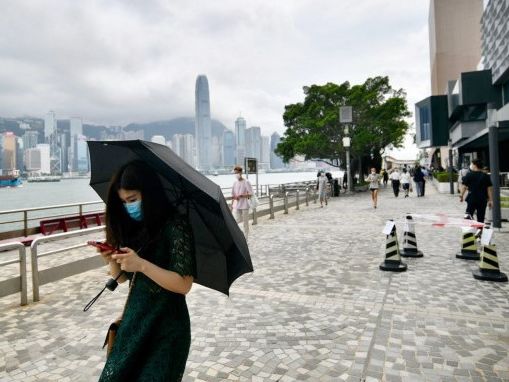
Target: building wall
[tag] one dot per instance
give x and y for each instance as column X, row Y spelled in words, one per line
column 455, row 40
column 495, row 39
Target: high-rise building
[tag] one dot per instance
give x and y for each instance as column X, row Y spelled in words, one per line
column 19, row 153
column 454, row 40
column 216, row 148
column 63, row 142
column 203, row 132
column 32, row 160
column 275, row 161
column 265, row 153
column 253, row 142
column 228, row 148
column 45, row 165
column 9, row 152
column 76, row 126
column 50, row 125
column 82, row 153
column 30, row 139
column 184, row 146
column 240, row 140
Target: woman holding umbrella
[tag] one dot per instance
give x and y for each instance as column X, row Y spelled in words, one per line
column 154, row 337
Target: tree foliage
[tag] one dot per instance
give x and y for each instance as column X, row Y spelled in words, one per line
column 313, row 129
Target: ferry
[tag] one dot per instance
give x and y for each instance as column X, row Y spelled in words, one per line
column 10, row 180
column 37, row 179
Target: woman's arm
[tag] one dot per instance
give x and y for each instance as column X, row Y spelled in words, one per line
column 169, row 280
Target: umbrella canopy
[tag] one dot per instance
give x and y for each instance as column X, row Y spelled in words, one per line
column 222, row 254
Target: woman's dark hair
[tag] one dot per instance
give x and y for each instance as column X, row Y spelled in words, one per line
column 121, row 230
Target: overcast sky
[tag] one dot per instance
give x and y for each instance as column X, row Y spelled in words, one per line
column 116, row 62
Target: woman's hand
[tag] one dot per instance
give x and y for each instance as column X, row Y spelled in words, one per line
column 106, row 255
column 128, row 261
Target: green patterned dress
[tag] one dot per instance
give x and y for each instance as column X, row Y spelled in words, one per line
column 152, row 343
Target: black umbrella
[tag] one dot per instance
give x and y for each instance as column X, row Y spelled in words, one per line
column 222, row 254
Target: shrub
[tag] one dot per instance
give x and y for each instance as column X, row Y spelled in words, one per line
column 444, row 176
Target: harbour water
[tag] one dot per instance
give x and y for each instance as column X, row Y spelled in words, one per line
column 78, row 190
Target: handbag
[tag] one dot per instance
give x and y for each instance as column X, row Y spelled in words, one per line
column 253, row 202
column 111, row 334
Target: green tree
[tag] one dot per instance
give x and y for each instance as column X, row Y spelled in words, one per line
column 313, row 129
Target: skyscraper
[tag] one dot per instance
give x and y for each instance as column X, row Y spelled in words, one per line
column 76, row 126
column 202, row 123
column 50, row 124
column 9, row 152
column 265, row 153
column 240, row 140
column 275, row 161
column 253, row 142
column 30, row 139
column 228, row 148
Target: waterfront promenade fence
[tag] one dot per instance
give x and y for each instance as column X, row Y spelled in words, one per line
column 17, row 283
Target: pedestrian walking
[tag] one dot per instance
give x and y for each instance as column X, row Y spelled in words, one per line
column 405, row 182
column 323, row 184
column 153, row 339
column 395, row 177
column 480, row 191
column 241, row 192
column 461, row 174
column 374, row 182
column 419, row 181
column 385, row 177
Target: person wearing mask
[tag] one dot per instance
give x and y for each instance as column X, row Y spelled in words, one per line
column 241, row 192
column 374, row 182
column 158, row 257
column 480, row 191
column 322, row 189
column 405, row 182
column 395, row 182
column 419, row 181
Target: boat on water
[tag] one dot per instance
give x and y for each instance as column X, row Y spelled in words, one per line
column 49, row 178
column 10, row 181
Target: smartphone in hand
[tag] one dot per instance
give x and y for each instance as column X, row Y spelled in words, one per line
column 104, row 246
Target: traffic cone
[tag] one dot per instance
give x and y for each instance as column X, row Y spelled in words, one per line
column 468, row 245
column 409, row 240
column 392, row 256
column 488, row 266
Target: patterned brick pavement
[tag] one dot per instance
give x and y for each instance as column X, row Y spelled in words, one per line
column 316, row 308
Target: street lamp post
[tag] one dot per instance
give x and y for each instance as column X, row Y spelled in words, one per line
column 492, row 123
column 346, row 144
column 451, row 183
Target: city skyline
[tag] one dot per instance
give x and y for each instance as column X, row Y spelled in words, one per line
column 299, row 44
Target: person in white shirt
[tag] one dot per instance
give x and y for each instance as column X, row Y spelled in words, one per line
column 405, row 181
column 241, row 192
column 395, row 176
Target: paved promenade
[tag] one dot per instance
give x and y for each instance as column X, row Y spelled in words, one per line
column 316, row 308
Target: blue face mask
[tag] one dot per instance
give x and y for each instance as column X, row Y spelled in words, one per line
column 134, row 210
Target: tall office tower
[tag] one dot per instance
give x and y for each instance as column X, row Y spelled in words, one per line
column 454, row 40
column 253, row 142
column 45, row 156
column 216, row 151
column 177, row 143
column 82, row 153
column 19, row 153
column 30, row 139
column 158, row 139
column 50, row 125
column 63, row 142
column 76, row 126
column 203, row 131
column 228, row 148
column 32, row 160
column 265, row 152
column 275, row 161
column 240, row 140
column 188, row 149
column 8, row 152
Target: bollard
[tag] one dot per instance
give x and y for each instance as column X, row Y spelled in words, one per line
column 307, row 196
column 285, row 202
column 271, row 206
column 255, row 217
column 297, row 200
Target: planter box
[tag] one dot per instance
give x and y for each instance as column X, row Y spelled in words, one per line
column 444, row 187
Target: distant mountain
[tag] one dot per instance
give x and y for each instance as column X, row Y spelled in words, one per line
column 183, row 125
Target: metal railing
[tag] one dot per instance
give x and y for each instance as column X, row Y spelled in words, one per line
column 19, row 283
column 62, row 271
column 21, row 218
